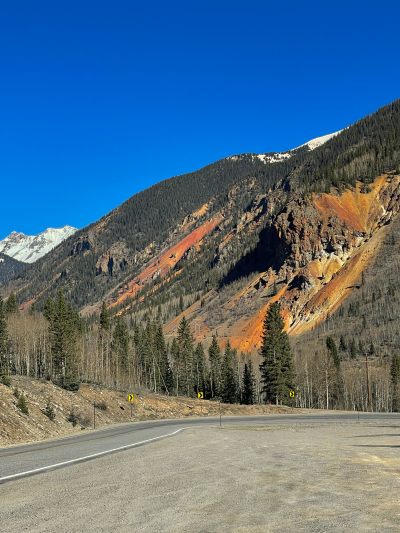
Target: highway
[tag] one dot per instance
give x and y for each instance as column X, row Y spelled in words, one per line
column 26, row 460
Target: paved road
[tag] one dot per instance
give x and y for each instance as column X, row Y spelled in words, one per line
column 30, row 459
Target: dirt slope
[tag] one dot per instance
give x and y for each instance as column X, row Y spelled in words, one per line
column 18, row 428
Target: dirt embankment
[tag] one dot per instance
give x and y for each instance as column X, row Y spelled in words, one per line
column 18, row 428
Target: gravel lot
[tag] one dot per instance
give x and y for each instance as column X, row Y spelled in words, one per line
column 312, row 478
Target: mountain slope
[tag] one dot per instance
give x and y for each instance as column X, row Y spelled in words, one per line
column 9, row 268
column 220, row 244
column 29, row 248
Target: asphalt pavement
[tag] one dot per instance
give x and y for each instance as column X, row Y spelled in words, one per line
column 26, row 460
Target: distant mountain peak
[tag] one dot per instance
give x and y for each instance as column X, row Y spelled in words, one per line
column 29, row 248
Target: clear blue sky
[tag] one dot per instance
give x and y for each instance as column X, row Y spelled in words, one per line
column 101, row 99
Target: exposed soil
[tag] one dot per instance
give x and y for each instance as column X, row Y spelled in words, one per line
column 18, row 428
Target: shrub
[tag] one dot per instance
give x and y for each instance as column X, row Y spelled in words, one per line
column 72, row 418
column 5, row 380
column 16, row 392
column 22, row 405
column 49, row 411
column 72, row 386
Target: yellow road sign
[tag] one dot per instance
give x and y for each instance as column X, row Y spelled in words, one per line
column 200, row 395
column 131, row 397
column 291, row 393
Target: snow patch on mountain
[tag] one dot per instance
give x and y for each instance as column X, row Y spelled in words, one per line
column 318, row 141
column 29, row 248
column 276, row 157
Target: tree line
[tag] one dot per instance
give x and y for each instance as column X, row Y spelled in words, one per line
column 57, row 345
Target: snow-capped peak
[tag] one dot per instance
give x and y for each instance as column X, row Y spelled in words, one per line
column 281, row 156
column 29, row 248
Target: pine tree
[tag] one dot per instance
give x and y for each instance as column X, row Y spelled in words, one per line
column 395, row 377
column 372, row 350
column 342, row 344
column 185, row 343
column 22, row 405
column 64, row 344
column 229, row 387
column 214, row 355
column 353, row 349
column 248, row 385
column 121, row 343
column 3, row 342
column 330, row 344
column 277, row 367
column 104, row 320
column 164, row 367
column 199, row 363
column 48, row 311
column 11, row 305
column 176, row 360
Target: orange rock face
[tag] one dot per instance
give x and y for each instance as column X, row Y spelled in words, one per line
column 321, row 247
column 327, row 244
column 166, row 262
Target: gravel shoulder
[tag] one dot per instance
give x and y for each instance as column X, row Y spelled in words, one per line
column 312, row 478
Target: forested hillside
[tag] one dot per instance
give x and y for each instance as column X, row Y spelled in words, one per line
column 9, row 268
column 150, row 217
column 185, row 273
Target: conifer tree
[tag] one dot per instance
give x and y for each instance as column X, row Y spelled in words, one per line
column 11, row 305
column 214, row 355
column 277, row 367
column 3, row 341
column 176, row 360
column 121, row 343
column 229, row 387
column 164, row 367
column 22, row 405
column 248, row 385
column 48, row 311
column 372, row 350
column 199, row 362
column 342, row 344
column 104, row 320
column 64, row 344
column 353, row 349
column 185, row 343
column 395, row 377
column 330, row 344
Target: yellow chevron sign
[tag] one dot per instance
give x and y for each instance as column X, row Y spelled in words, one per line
column 131, row 397
column 200, row 395
column 291, row 393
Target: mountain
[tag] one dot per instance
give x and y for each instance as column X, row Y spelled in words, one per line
column 276, row 157
column 29, row 248
column 9, row 268
column 220, row 244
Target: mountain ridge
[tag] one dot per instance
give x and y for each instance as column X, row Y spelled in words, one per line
column 30, row 248
column 221, row 243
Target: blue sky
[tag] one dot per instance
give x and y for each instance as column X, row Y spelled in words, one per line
column 102, row 99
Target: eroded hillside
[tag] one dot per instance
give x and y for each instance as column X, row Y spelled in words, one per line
column 313, row 252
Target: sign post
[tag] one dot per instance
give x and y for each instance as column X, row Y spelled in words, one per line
column 201, row 396
column 131, row 399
